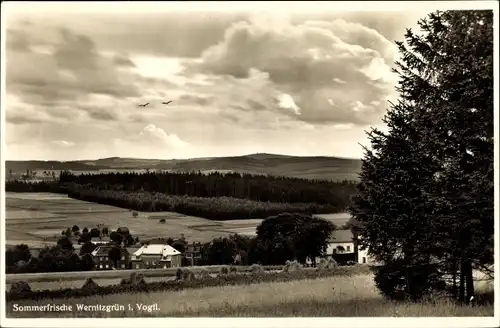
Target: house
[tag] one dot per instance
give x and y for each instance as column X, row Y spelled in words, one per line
column 342, row 246
column 100, row 240
column 103, row 262
column 131, row 251
column 192, row 253
column 156, row 256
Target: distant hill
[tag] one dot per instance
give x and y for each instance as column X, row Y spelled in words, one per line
column 311, row 167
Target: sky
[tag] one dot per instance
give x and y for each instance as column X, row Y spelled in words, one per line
column 296, row 82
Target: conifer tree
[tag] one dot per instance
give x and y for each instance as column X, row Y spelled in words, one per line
column 426, row 191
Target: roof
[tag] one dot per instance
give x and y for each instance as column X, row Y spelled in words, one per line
column 341, row 236
column 132, row 250
column 163, row 250
column 102, row 250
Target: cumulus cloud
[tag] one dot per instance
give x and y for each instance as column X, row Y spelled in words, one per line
column 68, row 70
column 312, row 62
column 156, row 135
column 286, row 102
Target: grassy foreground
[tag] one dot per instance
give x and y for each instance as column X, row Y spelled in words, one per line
column 338, row 296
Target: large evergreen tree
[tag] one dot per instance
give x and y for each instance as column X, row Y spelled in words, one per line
column 426, row 190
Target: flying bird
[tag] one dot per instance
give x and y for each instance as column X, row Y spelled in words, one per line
column 144, row 105
column 166, row 103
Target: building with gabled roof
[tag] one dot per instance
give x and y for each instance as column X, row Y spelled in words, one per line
column 156, row 256
column 103, row 262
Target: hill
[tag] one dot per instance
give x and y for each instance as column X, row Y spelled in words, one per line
column 311, row 167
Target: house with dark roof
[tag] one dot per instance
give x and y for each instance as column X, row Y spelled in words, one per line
column 103, row 262
column 192, row 253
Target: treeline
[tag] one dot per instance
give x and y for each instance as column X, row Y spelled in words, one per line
column 41, row 186
column 221, row 208
column 245, row 186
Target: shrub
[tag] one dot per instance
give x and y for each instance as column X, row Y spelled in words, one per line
column 256, row 268
column 291, row 266
column 90, row 284
column 232, row 269
column 178, row 274
column 20, row 287
column 136, row 280
column 187, row 275
column 162, row 221
column 224, row 270
column 391, row 280
column 135, row 214
column 204, row 274
column 327, row 264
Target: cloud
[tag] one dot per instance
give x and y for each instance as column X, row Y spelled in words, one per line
column 312, row 62
column 63, row 143
column 123, row 61
column 156, row 135
column 286, row 102
column 151, row 141
column 68, row 70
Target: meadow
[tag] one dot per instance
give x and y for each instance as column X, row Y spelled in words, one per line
column 337, row 296
column 37, row 219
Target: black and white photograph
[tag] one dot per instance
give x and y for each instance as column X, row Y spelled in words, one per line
column 249, row 160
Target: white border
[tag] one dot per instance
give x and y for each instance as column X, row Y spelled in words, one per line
column 299, row 6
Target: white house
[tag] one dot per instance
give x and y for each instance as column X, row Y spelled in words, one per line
column 156, row 256
column 341, row 242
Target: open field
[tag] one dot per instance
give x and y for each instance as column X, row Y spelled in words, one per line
column 335, row 296
column 37, row 219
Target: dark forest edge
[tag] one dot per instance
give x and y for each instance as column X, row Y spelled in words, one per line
column 215, row 196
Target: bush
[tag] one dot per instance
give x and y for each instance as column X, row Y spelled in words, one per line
column 232, row 269
column 224, row 270
column 187, row 275
column 291, row 266
column 391, row 280
column 204, row 274
column 20, row 287
column 256, row 268
column 135, row 214
column 327, row 264
column 90, row 284
column 136, row 280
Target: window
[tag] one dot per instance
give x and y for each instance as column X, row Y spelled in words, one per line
column 154, row 262
column 123, row 258
column 364, row 259
column 137, row 266
column 147, row 262
column 123, row 266
column 105, row 258
column 100, row 266
column 107, row 266
column 348, row 248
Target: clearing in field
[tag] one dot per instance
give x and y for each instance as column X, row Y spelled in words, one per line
column 328, row 297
